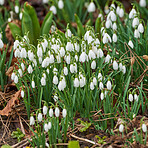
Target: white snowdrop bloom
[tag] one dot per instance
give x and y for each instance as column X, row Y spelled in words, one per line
column 102, row 95
column 82, row 81
column 135, row 22
column 49, row 125
column 55, row 71
column 45, row 109
column 30, row 70
column 53, row 9
column 34, row 63
column 100, row 16
column 20, row 15
column 60, row 86
column 39, row 51
column 16, row 53
column 92, row 86
column 43, row 81
column 45, row 1
column 135, row 97
column 118, row 10
column 140, row 28
column 106, row 9
column 33, row 84
column 142, row 3
column 64, row 113
column 113, row 6
column 102, row 31
column 130, row 43
column 76, row 82
column 120, row 66
column 77, row 47
column 47, row 145
column 62, row 51
column 23, row 53
column 91, row 7
column 50, row 112
column 9, row 20
column 136, row 33
column 16, row 8
column 90, row 39
column 72, row 68
column 100, row 76
column 76, row 58
column 68, row 33
column 91, row 55
column 123, row 69
column 83, row 57
column 114, row 38
column 106, row 38
column 97, row 42
column 75, row 67
column 20, row 72
column 32, row 121
column 67, row 59
column 30, row 55
column 144, row 128
column 39, row 117
column 130, row 97
column 46, row 127
column 114, row 26
column 22, row 94
column 132, row 13
column 109, row 85
column 93, row 65
column 115, row 65
column 16, row 79
column 113, row 16
column 121, row 128
column 55, row 98
column 58, row 57
column 101, row 86
column 0, row 35
column 94, row 81
column 69, row 46
column 57, row 112
column 12, row 76
column 1, row 44
column 107, row 58
column 108, row 23
column 86, row 35
column 60, row 4
column 65, row 71
column 2, row 2
column 40, row 60
column 121, row 12
column 51, row 59
column 55, row 80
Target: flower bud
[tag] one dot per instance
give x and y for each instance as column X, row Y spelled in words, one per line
column 130, row 97
column 60, row 4
column 30, row 70
column 144, row 128
column 102, row 95
column 121, row 128
column 49, row 125
column 16, row 8
column 130, row 43
column 64, row 113
column 142, row 3
column 115, row 65
column 50, row 112
column 43, row 81
column 45, row 110
column 46, row 127
column 32, row 121
column 91, row 7
column 114, row 38
column 109, row 85
column 92, row 86
column 53, row 9
column 16, row 79
column 22, row 93
column 140, row 28
column 39, row 117
column 93, row 65
column 33, row 84
column 57, row 112
column 76, row 82
column 55, row 80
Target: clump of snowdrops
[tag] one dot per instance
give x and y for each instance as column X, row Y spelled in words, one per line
column 49, row 126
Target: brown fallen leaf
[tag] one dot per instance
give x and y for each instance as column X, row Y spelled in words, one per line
column 13, row 101
column 145, row 57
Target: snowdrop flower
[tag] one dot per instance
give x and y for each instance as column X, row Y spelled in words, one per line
column 91, row 7
column 60, row 4
column 20, row 15
column 130, row 97
column 142, row 3
column 83, row 57
column 65, row 71
column 20, row 72
column 55, row 80
column 16, row 8
column 118, row 10
column 108, row 23
column 76, row 58
column 12, row 76
column 16, row 53
column 1, row 44
column 144, row 128
column 72, row 68
column 113, row 16
column 130, row 43
column 114, row 38
column 51, row 59
column 136, row 33
column 106, row 9
column 33, row 84
column 47, row 145
column 121, row 12
column 102, row 95
column 135, row 22
column 16, row 44
column 120, row 66
column 67, row 59
column 107, row 58
column 93, row 65
column 101, row 86
column 39, row 51
column 43, row 81
column 123, row 69
column 30, row 70
column 62, row 85
column 30, row 55
column 16, row 79
column 39, row 117
column 9, row 20
column 62, row 52
column 113, row 6
column 115, row 65
column 114, row 26
column 76, row 82
column 0, row 35
column 100, row 16
column 22, row 93
column 77, row 47
column 49, row 125
column 64, row 113
column 69, row 46
column 32, row 121
column 109, row 85
column 55, row 97
column 53, row 9
column 100, row 76
column 106, row 38
column 50, row 112
column 45, row 1
column 140, row 28
column 46, row 127
column 100, row 53
column 135, row 97
column 121, row 128
column 91, row 55
column 57, row 112
column 92, row 86
column 82, row 81
column 45, row 110
column 95, row 81
column 132, row 13
column 23, row 53
column 68, row 33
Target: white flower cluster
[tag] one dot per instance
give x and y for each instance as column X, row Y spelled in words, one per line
column 1, row 42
